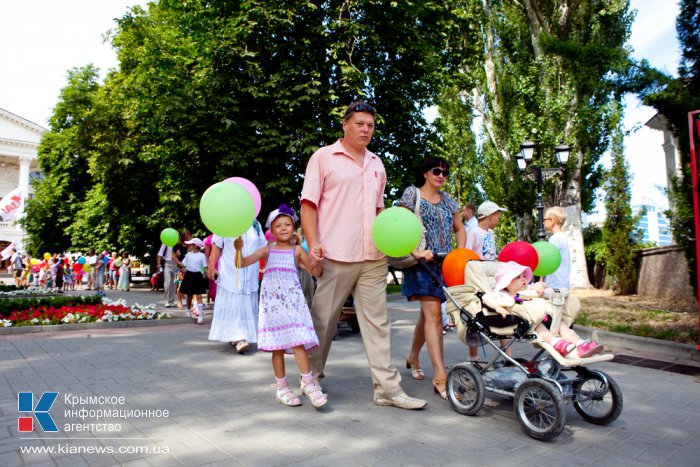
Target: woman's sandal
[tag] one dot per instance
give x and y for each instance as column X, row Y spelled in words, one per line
column 315, row 395
column 287, row 397
column 416, row 373
column 440, row 388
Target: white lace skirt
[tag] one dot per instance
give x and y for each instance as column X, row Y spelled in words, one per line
column 235, row 317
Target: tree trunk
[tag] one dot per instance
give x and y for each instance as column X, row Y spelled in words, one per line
column 574, row 234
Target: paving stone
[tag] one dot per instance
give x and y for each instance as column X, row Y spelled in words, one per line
column 223, row 411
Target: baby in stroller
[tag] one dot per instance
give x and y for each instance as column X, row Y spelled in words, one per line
column 494, row 303
column 512, row 291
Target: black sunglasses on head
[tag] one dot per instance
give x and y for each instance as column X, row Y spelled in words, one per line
column 360, row 108
column 437, row 171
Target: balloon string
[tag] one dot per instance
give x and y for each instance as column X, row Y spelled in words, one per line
column 238, row 264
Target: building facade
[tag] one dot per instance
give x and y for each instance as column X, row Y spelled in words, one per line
column 653, row 223
column 19, row 142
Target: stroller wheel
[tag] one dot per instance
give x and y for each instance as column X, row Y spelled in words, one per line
column 540, row 409
column 465, row 389
column 597, row 397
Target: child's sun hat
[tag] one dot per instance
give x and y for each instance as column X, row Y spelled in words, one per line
column 283, row 210
column 195, row 241
column 506, row 272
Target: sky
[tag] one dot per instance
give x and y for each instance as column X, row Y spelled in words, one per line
column 42, row 39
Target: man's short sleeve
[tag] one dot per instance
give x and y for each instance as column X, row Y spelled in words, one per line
column 313, row 180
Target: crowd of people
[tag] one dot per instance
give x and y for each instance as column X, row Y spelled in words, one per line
column 269, row 290
column 64, row 271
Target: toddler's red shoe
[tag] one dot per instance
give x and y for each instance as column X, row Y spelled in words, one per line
column 589, row 348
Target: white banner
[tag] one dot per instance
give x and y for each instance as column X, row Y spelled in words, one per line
column 11, row 205
column 7, row 252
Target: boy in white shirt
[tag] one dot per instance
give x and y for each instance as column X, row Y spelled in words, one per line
column 481, row 239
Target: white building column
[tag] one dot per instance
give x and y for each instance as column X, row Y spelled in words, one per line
column 24, row 162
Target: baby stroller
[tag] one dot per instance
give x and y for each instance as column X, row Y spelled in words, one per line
column 540, row 387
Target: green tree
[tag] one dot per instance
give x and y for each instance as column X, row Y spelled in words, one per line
column 674, row 98
column 548, row 74
column 211, row 89
column 64, row 153
column 619, row 231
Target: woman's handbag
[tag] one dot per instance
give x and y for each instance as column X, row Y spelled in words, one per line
column 407, row 261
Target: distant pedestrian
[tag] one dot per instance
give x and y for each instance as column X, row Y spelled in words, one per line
column 124, row 265
column 91, row 261
column 194, row 284
column 17, row 266
column 112, row 270
column 469, row 215
column 169, row 268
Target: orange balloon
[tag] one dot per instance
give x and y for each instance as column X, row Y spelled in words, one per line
column 454, row 263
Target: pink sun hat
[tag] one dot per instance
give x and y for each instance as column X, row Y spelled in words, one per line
column 506, row 272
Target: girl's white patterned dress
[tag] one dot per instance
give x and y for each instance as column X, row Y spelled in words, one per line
column 284, row 320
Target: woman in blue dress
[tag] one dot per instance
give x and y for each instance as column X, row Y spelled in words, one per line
column 440, row 216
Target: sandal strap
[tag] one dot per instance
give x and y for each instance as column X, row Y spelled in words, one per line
column 287, row 397
column 315, row 395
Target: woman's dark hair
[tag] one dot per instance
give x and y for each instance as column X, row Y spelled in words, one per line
column 428, row 164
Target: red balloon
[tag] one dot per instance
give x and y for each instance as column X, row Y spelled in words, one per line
column 521, row 252
column 454, row 263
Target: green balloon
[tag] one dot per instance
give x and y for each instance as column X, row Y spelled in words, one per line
column 227, row 209
column 396, row 231
column 549, row 258
column 169, row 236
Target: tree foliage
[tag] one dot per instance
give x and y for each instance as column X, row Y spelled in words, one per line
column 64, row 153
column 206, row 90
column 674, row 98
column 619, row 231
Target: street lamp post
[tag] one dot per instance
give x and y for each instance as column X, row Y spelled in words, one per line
column 524, row 158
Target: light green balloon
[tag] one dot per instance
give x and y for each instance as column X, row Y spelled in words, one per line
column 549, row 258
column 396, row 231
column 227, row 209
column 169, row 236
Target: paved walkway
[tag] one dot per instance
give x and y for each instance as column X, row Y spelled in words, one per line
column 222, row 411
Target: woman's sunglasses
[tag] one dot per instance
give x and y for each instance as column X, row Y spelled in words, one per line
column 438, row 171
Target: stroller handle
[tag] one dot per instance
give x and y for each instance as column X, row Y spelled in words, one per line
column 437, row 279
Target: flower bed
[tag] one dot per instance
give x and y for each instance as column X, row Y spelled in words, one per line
column 24, row 292
column 12, row 304
column 82, row 313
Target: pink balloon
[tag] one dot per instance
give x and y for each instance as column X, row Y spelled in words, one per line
column 251, row 188
column 269, row 237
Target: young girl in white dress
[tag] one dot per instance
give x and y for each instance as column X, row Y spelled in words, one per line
column 284, row 321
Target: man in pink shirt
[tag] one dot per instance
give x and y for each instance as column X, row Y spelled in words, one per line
column 343, row 193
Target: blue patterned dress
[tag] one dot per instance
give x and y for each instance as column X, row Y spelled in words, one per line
column 284, row 320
